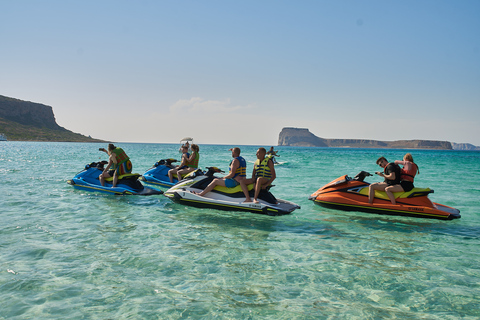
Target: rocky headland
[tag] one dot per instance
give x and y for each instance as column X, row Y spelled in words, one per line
column 302, row 137
column 29, row 121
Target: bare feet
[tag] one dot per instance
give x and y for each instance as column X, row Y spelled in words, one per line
column 255, row 201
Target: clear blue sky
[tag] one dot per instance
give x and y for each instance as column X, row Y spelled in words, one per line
column 237, row 72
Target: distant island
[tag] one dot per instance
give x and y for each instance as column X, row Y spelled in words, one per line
column 302, row 137
column 28, row 121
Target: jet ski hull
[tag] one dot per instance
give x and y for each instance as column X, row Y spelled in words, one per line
column 87, row 180
column 157, row 176
column 349, row 194
column 222, row 199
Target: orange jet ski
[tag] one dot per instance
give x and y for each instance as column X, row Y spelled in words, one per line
column 345, row 193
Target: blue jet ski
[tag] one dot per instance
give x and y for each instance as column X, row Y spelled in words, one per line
column 87, row 180
column 157, row 176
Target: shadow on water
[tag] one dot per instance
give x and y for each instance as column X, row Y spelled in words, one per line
column 251, row 221
column 402, row 224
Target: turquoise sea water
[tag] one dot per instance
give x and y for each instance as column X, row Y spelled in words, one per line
column 69, row 254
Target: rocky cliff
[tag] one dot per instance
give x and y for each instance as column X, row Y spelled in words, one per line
column 28, row 113
column 302, row 137
column 465, row 147
column 30, row 121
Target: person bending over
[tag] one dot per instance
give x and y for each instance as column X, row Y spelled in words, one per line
column 118, row 164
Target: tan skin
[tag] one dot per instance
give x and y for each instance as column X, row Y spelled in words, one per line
column 189, row 169
column 221, row 181
column 395, row 188
column 381, row 186
column 261, row 182
column 111, row 160
column 183, row 163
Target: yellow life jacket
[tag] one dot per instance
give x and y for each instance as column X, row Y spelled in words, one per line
column 262, row 170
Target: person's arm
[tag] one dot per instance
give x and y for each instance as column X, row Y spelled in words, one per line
column 235, row 165
column 272, row 170
column 113, row 158
column 192, row 156
column 389, row 176
column 183, row 162
column 400, row 162
column 108, row 165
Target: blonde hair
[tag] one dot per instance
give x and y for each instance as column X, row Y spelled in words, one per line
column 409, row 157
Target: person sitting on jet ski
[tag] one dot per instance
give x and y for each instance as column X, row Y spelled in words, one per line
column 182, row 165
column 263, row 172
column 391, row 173
column 236, row 176
column 119, row 163
column 407, row 175
column 189, row 163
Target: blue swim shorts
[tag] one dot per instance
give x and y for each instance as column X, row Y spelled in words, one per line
column 231, row 183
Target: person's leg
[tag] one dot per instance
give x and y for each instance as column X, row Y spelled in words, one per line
column 183, row 171
column 213, row 184
column 115, row 179
column 171, row 172
column 371, row 190
column 244, row 187
column 391, row 189
column 258, row 187
column 102, row 178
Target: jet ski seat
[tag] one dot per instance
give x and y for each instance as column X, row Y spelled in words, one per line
column 415, row 192
column 124, row 176
column 232, row 190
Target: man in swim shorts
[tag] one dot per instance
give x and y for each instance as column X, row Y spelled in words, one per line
column 238, row 173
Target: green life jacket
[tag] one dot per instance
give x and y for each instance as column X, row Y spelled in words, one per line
column 194, row 163
column 121, row 157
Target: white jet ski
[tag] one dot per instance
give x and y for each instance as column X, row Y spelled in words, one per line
column 223, row 198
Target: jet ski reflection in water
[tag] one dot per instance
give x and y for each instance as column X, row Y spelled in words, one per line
column 345, row 193
column 87, row 180
column 223, row 198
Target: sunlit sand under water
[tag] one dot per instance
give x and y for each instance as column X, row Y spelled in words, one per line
column 69, row 254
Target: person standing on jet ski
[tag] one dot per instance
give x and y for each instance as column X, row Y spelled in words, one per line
column 274, row 154
column 263, row 172
column 118, row 161
column 236, row 176
column 391, row 173
column 407, row 175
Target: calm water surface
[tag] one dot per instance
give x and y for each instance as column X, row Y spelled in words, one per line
column 71, row 254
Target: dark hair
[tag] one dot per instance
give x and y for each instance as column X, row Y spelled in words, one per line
column 111, row 147
column 380, row 159
column 195, row 147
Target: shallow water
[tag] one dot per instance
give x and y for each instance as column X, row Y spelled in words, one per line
column 71, row 254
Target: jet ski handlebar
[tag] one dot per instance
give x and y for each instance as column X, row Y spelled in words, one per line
column 362, row 175
column 212, row 170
